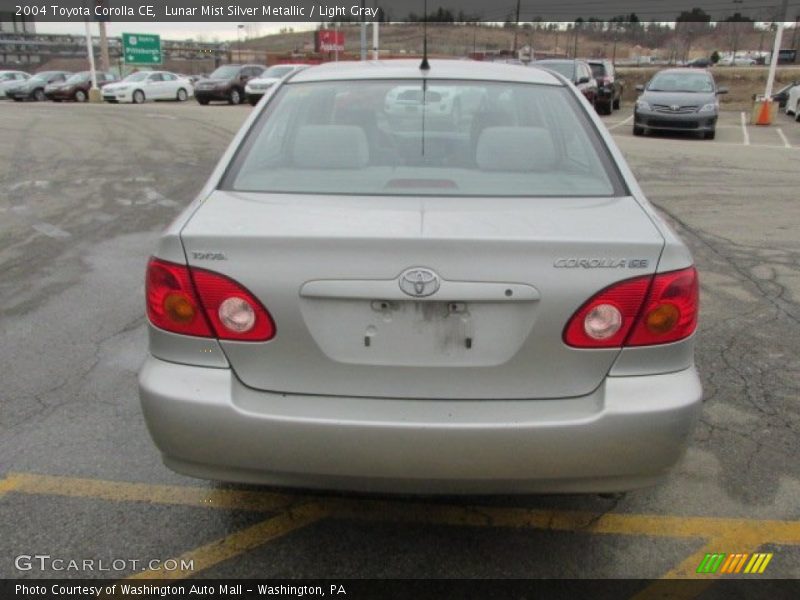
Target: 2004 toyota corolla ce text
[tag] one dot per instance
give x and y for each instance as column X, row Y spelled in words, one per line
column 476, row 300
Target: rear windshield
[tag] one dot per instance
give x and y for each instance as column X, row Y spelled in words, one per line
column 567, row 69
column 471, row 138
column 225, row 72
column 598, row 70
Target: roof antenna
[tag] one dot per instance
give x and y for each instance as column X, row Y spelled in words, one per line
column 424, row 66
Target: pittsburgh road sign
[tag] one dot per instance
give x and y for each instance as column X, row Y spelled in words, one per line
column 141, row 49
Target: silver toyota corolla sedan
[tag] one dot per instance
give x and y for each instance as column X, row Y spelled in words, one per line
column 471, row 300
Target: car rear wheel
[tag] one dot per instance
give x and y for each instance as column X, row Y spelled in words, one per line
column 182, row 95
column 39, row 96
column 618, row 102
column 80, row 96
column 138, row 97
column 203, row 101
column 605, row 108
column 710, row 135
column 235, row 97
column 638, row 130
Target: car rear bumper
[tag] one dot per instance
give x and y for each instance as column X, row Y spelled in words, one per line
column 626, row 434
column 667, row 122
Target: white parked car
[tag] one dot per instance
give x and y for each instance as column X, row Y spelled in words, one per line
column 258, row 86
column 739, row 61
column 793, row 103
column 149, row 85
column 11, row 79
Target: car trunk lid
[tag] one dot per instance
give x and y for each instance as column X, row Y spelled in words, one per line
column 510, row 273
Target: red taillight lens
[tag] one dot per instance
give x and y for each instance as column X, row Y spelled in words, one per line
column 670, row 313
column 232, row 310
column 626, row 296
column 171, row 300
column 643, row 311
column 202, row 303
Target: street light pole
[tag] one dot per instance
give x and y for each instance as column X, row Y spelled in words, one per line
column 239, row 38
column 773, row 63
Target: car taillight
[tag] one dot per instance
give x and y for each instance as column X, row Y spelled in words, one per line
column 670, row 312
column 643, row 311
column 202, row 303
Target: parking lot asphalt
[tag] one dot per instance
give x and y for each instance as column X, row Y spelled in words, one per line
column 84, row 191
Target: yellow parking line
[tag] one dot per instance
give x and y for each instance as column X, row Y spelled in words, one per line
column 240, row 542
column 8, row 484
column 671, row 526
column 611, row 523
column 119, row 491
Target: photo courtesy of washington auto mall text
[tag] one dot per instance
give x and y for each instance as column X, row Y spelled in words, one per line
column 399, row 299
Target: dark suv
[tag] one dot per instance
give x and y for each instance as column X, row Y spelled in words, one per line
column 226, row 83
column 609, row 87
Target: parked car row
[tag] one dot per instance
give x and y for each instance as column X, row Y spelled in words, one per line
column 229, row 83
column 596, row 79
column 235, row 84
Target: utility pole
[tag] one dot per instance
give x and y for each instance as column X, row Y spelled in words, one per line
column 105, row 62
column 375, row 51
column 516, row 27
column 363, row 33
column 94, row 93
column 575, row 47
column 773, row 63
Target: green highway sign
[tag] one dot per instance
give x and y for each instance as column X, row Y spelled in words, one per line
column 141, row 49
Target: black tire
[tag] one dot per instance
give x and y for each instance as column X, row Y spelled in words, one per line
column 182, row 96
column 17, row 99
column 80, row 96
column 605, row 108
column 618, row 101
column 138, row 97
column 638, row 130
column 203, row 101
column 252, row 100
column 710, row 135
column 235, row 97
column 38, row 95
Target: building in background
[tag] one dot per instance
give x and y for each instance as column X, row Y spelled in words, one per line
column 10, row 23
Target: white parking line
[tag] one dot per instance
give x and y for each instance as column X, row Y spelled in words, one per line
column 783, row 138
column 744, row 130
column 615, row 125
column 51, row 230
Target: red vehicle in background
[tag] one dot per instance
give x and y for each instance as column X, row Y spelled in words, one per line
column 77, row 86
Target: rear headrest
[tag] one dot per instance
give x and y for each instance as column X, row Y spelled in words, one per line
column 330, row 147
column 515, row 149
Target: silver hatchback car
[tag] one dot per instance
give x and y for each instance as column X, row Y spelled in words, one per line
column 471, row 300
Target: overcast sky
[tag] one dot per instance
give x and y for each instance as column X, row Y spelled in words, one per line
column 177, row 31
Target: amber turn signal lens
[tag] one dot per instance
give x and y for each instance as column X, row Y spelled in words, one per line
column 179, row 308
column 662, row 318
